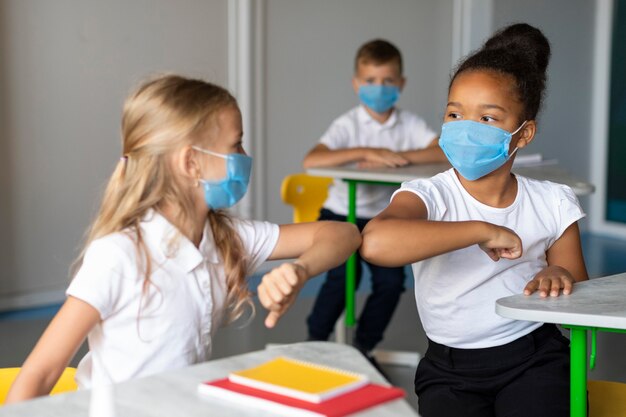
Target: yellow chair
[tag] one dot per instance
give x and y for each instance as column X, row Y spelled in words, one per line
column 306, row 194
column 606, row 399
column 64, row 384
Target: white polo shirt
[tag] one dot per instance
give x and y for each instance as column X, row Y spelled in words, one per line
column 456, row 291
column 171, row 325
column 403, row 131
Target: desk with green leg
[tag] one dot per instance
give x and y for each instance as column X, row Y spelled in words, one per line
column 594, row 305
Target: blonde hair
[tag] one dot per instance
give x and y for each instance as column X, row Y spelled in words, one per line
column 161, row 116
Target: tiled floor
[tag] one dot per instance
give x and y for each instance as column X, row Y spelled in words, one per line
column 604, row 256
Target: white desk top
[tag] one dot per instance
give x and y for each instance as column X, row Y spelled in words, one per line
column 175, row 393
column 397, row 175
column 599, row 302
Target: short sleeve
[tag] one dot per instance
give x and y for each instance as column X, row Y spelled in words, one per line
column 99, row 280
column 259, row 240
column 337, row 136
column 569, row 209
column 430, row 195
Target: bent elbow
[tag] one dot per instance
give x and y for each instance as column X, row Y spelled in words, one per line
column 353, row 235
column 371, row 248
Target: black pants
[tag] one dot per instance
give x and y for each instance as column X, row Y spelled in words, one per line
column 528, row 377
column 387, row 286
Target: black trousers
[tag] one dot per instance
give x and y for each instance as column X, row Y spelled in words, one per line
column 528, row 377
column 387, row 287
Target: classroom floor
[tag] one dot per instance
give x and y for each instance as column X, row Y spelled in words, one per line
column 604, row 256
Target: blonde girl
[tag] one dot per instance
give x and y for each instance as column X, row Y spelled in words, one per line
column 164, row 265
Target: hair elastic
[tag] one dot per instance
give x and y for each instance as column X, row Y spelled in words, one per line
column 124, row 158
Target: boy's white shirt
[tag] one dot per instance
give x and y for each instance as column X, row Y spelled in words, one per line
column 170, row 326
column 403, row 131
column 456, row 292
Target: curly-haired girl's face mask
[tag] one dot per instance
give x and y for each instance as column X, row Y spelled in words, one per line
column 475, row 149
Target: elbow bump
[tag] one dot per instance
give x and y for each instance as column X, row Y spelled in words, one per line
column 369, row 248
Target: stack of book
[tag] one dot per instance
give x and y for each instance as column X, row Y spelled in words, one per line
column 294, row 388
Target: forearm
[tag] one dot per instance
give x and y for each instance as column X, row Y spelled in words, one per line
column 329, row 158
column 431, row 154
column 332, row 244
column 30, row 384
column 398, row 242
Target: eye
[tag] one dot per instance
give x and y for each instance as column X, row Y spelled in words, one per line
column 369, row 81
column 487, row 119
column 454, row 116
column 388, row 81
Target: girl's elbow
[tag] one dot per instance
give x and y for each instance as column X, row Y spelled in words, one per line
column 352, row 235
column 371, row 248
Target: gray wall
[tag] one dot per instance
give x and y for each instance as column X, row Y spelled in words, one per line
column 310, row 60
column 565, row 122
column 65, row 68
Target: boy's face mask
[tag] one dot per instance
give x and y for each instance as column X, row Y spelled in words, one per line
column 225, row 193
column 475, row 149
column 379, row 98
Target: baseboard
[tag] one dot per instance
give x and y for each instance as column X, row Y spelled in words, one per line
column 31, row 299
column 397, row 357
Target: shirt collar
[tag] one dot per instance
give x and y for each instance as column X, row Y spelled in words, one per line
column 166, row 242
column 365, row 118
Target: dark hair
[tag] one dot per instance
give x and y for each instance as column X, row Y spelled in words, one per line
column 521, row 51
column 378, row 51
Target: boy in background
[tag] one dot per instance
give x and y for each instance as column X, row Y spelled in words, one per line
column 373, row 134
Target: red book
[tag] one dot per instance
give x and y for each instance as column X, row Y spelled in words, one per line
column 343, row 405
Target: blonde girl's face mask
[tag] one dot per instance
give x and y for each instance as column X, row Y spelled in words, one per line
column 226, row 192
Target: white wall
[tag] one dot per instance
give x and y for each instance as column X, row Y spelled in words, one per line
column 65, row 68
column 309, row 65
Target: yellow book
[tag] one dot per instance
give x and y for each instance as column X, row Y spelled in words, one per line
column 297, row 379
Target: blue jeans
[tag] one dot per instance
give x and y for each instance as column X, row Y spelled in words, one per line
column 387, row 286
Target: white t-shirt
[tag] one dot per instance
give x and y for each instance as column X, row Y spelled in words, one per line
column 404, row 131
column 171, row 325
column 456, row 292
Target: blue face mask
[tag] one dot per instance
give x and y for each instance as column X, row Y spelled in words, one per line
column 379, row 98
column 475, row 149
column 228, row 191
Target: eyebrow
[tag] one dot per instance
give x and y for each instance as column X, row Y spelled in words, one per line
column 482, row 106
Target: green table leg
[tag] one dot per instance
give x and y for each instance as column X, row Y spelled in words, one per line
column 578, row 372
column 351, row 264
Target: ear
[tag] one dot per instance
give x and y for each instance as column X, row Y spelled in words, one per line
column 402, row 83
column 187, row 164
column 526, row 134
column 355, row 84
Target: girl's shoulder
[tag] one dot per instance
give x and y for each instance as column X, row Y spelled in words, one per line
column 113, row 249
column 442, row 183
column 548, row 191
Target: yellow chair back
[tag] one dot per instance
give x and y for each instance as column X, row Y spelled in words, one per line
column 64, row 384
column 306, row 194
column 606, row 399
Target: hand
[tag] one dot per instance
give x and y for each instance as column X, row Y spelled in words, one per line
column 279, row 289
column 551, row 280
column 384, row 157
column 502, row 243
column 370, row 165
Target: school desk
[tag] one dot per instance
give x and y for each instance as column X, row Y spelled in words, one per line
column 395, row 176
column 595, row 305
column 175, row 393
